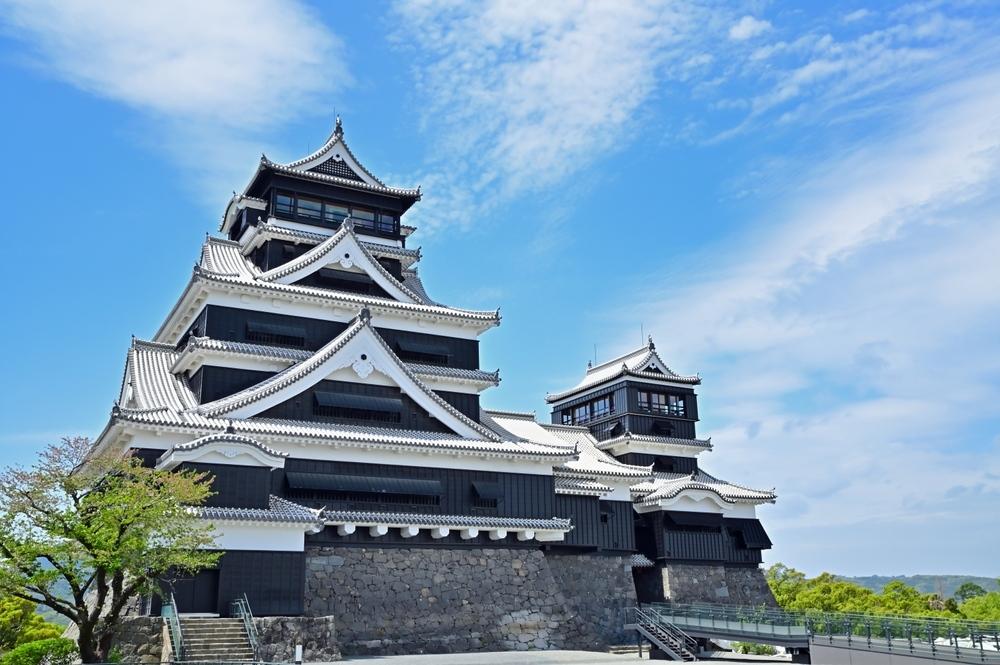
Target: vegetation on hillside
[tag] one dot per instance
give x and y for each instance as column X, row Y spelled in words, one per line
column 945, row 586
column 103, row 525
column 829, row 593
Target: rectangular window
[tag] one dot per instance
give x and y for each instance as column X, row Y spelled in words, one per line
column 581, row 414
column 284, row 204
column 653, row 402
column 335, row 213
column 567, row 418
column 310, row 208
column 675, row 405
column 601, row 407
column 386, row 223
column 363, row 218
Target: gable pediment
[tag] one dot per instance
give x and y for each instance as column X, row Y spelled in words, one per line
column 358, row 355
column 345, row 253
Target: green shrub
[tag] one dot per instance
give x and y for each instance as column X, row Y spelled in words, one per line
column 754, row 648
column 53, row 651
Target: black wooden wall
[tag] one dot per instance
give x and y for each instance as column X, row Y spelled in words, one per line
column 522, row 495
column 274, row 583
column 230, row 323
column 659, row 537
column 663, row 463
column 210, row 383
column 599, row 525
column 627, row 415
column 235, row 486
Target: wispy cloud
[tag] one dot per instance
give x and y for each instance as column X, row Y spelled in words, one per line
column 518, row 96
column 850, row 348
column 522, row 94
column 748, row 27
column 210, row 74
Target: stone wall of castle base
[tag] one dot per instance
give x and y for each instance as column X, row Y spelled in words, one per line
column 704, row 583
column 437, row 600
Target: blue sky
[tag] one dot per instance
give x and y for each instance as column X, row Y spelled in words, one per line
column 799, row 202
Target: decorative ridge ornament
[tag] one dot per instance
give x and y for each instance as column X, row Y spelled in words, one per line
column 338, row 129
column 652, row 347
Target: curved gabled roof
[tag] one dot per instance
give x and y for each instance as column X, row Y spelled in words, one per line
column 665, row 486
column 644, row 363
column 272, row 228
column 222, row 262
column 208, row 347
column 591, row 462
column 317, row 367
column 356, row 254
column 155, row 398
column 334, row 162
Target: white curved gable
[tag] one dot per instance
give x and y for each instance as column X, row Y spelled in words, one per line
column 366, row 356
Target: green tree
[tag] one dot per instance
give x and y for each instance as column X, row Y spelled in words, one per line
column 102, row 525
column 968, row 590
column 52, row 651
column 982, row 608
column 19, row 623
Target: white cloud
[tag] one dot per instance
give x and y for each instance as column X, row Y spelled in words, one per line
column 748, row 27
column 850, row 353
column 209, row 73
column 856, row 15
column 523, row 93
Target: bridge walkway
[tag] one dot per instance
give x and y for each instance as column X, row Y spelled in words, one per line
column 841, row 637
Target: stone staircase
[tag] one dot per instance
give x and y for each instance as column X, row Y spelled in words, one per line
column 215, row 640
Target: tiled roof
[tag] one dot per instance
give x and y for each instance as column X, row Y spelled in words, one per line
column 202, row 344
column 336, row 137
column 669, row 485
column 321, row 255
column 222, row 262
column 161, row 399
column 580, row 486
column 300, row 370
column 272, row 228
column 280, row 510
column 591, row 461
column 635, row 363
column 266, row 163
column 228, row 437
column 704, row 444
column 640, row 561
column 457, row 521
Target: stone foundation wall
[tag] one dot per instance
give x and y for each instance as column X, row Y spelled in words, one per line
column 278, row 636
column 700, row 583
column 436, row 600
column 598, row 591
column 139, row 640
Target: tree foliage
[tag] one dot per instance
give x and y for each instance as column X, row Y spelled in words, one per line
column 969, row 590
column 828, row 593
column 51, row 651
column 20, row 623
column 102, row 525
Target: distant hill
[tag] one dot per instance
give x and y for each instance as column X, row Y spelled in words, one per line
column 943, row 585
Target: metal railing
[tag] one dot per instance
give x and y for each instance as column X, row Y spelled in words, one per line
column 678, row 644
column 949, row 638
column 168, row 610
column 241, row 610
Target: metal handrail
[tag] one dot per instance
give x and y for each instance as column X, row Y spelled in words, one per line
column 241, row 608
column 655, row 619
column 168, row 610
column 894, row 633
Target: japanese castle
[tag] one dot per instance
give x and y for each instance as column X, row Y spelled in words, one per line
column 337, row 405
